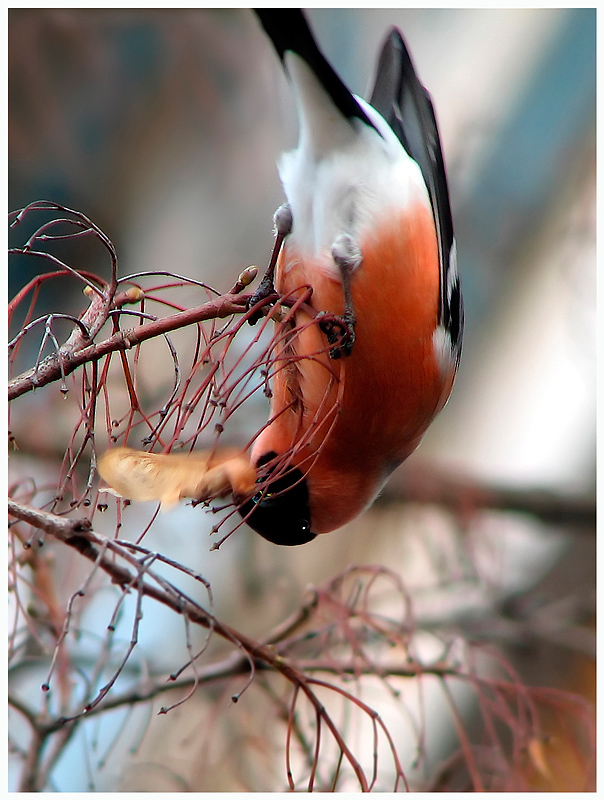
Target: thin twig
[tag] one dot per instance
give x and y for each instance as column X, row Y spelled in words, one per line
column 49, row 369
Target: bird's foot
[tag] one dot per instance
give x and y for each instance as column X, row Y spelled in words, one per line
column 283, row 224
column 264, row 291
column 340, row 333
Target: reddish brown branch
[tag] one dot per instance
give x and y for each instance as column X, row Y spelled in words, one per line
column 79, row 535
column 420, row 482
column 69, row 359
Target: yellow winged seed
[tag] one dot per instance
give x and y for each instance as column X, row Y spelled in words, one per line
column 150, row 476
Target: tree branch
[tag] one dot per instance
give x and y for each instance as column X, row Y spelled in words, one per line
column 79, row 534
column 420, row 482
column 67, row 359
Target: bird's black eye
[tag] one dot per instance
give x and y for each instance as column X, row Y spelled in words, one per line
column 280, row 513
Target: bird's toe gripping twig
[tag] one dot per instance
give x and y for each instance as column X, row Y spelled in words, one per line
column 340, row 333
column 283, row 225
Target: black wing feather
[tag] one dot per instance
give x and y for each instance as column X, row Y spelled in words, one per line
column 406, row 106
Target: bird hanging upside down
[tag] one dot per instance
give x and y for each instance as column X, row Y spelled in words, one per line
column 364, row 365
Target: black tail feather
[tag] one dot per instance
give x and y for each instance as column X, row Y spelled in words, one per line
column 288, row 30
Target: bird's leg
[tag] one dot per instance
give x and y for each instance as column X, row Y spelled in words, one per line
column 283, row 225
column 340, row 330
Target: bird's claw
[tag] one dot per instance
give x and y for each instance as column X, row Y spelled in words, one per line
column 283, row 226
column 264, row 291
column 340, row 333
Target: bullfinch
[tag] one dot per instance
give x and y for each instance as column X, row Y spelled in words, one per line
column 369, row 342
column 367, row 225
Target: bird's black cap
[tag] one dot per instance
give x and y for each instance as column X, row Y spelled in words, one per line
column 280, row 512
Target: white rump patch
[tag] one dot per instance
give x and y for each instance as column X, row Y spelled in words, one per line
column 443, row 349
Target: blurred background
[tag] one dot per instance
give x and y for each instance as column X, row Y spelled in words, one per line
column 164, row 127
